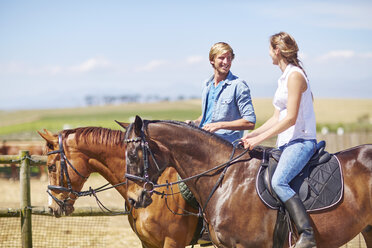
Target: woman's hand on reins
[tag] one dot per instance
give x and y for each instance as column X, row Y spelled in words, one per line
column 250, row 141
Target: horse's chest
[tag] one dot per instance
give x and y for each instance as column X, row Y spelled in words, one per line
column 238, row 211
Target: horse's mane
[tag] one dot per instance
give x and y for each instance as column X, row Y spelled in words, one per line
column 96, row 135
column 191, row 127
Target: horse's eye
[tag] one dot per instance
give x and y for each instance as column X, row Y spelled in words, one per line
column 50, row 146
column 52, row 168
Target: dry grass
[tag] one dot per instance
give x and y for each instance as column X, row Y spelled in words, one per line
column 326, row 110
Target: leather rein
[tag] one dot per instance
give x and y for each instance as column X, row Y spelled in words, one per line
column 64, row 173
column 146, row 150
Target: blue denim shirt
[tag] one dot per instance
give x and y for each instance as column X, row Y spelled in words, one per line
column 233, row 102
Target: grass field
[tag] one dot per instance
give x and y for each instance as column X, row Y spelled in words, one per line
column 351, row 114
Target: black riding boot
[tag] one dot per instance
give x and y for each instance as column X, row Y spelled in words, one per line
column 297, row 211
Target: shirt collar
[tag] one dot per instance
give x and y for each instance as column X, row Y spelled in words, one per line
column 286, row 71
column 227, row 80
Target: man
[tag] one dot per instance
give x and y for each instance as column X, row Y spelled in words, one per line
column 227, row 106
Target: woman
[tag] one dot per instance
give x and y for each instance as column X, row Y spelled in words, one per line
column 294, row 123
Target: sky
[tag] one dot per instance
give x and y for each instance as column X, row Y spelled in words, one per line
column 53, row 54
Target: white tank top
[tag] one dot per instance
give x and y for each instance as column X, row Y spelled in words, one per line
column 305, row 126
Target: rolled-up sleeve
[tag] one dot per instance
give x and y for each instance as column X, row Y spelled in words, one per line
column 244, row 102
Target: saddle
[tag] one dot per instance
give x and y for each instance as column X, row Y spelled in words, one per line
column 319, row 185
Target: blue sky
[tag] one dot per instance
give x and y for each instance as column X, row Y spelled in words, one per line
column 54, row 53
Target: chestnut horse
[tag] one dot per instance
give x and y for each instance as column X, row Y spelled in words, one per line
column 74, row 154
column 235, row 214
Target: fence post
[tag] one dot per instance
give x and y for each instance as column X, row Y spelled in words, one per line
column 24, row 179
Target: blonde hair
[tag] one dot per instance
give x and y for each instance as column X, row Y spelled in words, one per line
column 220, row 48
column 288, row 48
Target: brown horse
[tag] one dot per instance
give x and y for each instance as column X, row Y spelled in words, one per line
column 235, row 214
column 76, row 153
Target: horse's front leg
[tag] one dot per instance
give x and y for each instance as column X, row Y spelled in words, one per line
column 367, row 234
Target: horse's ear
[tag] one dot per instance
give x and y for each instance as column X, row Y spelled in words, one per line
column 49, row 133
column 138, row 125
column 49, row 137
column 123, row 124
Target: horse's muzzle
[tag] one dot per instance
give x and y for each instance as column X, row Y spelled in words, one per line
column 59, row 211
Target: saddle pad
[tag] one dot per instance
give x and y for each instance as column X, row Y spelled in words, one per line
column 319, row 187
column 190, row 199
column 186, row 194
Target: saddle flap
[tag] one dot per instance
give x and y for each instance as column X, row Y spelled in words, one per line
column 275, row 154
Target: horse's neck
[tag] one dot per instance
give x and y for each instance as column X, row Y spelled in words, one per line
column 109, row 162
column 192, row 157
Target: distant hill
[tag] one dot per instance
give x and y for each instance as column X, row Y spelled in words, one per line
column 351, row 114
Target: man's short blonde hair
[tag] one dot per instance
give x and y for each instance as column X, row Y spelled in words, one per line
column 220, row 48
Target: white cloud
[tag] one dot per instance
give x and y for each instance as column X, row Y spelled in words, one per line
column 53, row 70
column 366, row 55
column 337, row 54
column 86, row 66
column 91, row 64
column 344, row 54
column 12, row 67
column 196, row 59
column 152, row 65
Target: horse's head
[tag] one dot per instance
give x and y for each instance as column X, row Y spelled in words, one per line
column 66, row 171
column 144, row 161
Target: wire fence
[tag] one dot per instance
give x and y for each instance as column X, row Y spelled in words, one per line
column 50, row 232
column 31, row 226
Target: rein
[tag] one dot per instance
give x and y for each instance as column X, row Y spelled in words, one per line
column 69, row 189
column 146, row 150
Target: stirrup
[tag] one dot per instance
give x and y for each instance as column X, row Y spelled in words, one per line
column 205, row 240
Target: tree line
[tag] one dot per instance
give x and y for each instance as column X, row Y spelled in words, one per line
column 92, row 100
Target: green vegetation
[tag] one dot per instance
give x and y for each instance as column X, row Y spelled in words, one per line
column 350, row 114
column 24, row 124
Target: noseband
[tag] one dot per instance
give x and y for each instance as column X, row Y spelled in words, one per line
column 64, row 172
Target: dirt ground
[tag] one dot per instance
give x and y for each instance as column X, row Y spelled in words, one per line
column 117, row 231
column 119, row 234
column 110, row 232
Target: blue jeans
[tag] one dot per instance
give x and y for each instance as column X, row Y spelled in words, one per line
column 294, row 157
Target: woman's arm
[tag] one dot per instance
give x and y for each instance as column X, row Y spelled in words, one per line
column 296, row 86
column 267, row 125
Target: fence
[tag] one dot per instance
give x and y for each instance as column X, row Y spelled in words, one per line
column 337, row 142
column 26, row 211
column 334, row 141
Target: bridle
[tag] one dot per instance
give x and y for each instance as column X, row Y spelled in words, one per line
column 64, row 173
column 145, row 153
